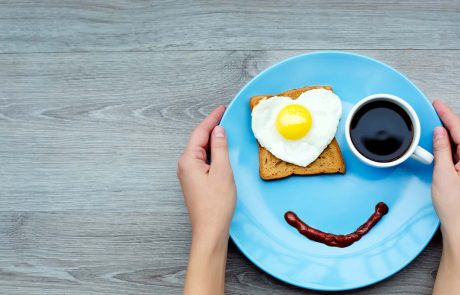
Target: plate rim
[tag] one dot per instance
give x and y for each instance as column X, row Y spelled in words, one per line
column 237, row 242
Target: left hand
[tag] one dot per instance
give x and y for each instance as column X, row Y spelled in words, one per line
column 208, row 188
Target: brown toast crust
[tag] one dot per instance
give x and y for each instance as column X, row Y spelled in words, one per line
column 328, row 162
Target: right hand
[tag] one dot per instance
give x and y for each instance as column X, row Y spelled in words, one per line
column 446, row 176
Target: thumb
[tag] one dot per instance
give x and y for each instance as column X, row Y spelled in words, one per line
column 442, row 151
column 219, row 150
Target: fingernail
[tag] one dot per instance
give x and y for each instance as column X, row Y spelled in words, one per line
column 219, row 131
column 439, row 133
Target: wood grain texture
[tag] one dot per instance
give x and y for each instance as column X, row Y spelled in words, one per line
column 121, row 25
column 103, row 131
column 89, row 200
column 97, row 100
column 97, row 252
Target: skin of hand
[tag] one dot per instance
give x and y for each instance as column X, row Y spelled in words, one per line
column 446, row 197
column 209, row 194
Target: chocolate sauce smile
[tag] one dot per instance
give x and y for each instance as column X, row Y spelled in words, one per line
column 332, row 239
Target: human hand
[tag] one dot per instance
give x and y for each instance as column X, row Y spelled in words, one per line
column 209, row 194
column 445, row 192
column 446, row 176
column 208, row 188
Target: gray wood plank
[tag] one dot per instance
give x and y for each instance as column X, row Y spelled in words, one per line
column 97, row 100
column 120, row 25
column 92, row 139
column 96, row 252
column 104, row 131
column 92, row 253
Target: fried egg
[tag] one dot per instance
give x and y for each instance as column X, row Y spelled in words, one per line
column 297, row 130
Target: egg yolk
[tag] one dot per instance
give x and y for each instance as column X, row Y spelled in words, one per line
column 293, row 121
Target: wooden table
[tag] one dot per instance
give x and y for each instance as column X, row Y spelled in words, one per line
column 97, row 99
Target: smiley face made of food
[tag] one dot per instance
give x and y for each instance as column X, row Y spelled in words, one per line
column 295, row 131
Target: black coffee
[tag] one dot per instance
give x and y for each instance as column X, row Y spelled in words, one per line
column 381, row 131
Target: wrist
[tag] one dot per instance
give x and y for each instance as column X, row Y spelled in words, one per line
column 210, row 234
column 206, row 270
column 207, row 241
column 451, row 249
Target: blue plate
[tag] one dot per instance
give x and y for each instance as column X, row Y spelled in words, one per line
column 332, row 203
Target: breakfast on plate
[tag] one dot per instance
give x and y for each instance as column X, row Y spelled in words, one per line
column 296, row 130
column 332, row 239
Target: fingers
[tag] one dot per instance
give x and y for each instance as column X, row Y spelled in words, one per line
column 219, row 151
column 192, row 159
column 442, row 151
column 194, row 156
column 452, row 122
column 200, row 136
column 449, row 119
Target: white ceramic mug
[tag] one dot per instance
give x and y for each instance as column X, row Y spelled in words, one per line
column 414, row 151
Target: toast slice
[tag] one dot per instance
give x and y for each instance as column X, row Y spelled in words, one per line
column 328, row 162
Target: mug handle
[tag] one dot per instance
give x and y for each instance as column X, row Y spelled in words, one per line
column 422, row 155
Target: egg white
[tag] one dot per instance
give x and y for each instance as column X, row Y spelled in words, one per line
column 325, row 108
